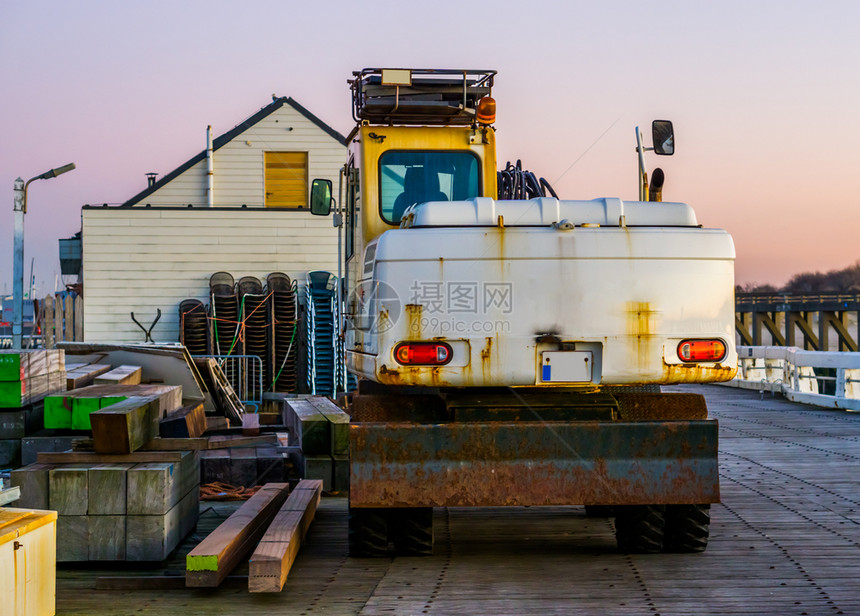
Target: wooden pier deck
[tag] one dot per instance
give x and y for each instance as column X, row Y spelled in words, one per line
column 785, row 540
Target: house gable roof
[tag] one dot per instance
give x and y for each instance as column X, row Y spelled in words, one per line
column 232, row 134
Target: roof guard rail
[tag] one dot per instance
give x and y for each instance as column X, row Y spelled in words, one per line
column 418, row 95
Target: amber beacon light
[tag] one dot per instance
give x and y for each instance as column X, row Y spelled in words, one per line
column 701, row 350
column 422, row 353
column 487, row 110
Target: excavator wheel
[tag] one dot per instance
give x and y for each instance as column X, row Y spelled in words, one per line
column 639, row 529
column 368, row 532
column 411, row 531
column 687, row 528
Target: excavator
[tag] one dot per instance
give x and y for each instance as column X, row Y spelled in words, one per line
column 509, row 345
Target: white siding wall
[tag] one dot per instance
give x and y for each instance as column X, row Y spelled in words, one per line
column 238, row 165
column 139, row 259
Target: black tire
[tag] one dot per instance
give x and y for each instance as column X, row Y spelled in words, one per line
column 639, row 529
column 599, row 511
column 687, row 528
column 411, row 531
column 368, row 533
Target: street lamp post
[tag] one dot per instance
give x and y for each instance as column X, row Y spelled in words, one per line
column 20, row 208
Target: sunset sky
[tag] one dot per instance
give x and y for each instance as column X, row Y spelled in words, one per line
column 765, row 97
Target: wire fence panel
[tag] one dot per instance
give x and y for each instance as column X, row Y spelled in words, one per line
column 245, row 373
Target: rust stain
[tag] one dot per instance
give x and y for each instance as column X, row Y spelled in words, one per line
column 413, row 375
column 641, row 323
column 413, row 323
column 696, row 373
column 486, row 359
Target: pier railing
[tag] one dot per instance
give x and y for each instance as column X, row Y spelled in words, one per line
column 814, row 321
column 828, row 379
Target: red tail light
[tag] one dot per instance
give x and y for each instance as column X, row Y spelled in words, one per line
column 422, row 353
column 701, row 350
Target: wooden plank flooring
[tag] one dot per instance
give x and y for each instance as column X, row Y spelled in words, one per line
column 785, row 540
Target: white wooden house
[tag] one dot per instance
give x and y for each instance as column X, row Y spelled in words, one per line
column 162, row 245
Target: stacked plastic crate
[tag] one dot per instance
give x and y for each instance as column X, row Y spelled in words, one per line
column 284, row 340
column 255, row 308
column 321, row 333
column 194, row 326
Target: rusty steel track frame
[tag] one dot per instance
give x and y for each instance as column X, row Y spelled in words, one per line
column 533, row 463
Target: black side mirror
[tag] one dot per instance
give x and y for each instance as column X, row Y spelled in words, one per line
column 321, row 197
column 663, row 137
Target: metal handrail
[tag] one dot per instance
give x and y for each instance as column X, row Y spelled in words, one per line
column 796, row 374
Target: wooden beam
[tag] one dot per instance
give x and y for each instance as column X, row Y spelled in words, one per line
column 121, row 375
column 804, row 320
column 177, row 444
column 271, row 562
column 309, row 428
column 837, row 320
column 212, row 560
column 186, row 422
column 217, row 423
column 155, row 487
column 18, row 423
column 243, row 467
column 72, row 410
column 84, row 375
column 18, row 365
column 73, row 538
column 106, row 487
column 338, row 424
column 30, row 389
column 154, row 537
column 225, row 442
column 9, row 495
column 742, row 327
column 67, row 489
column 155, row 582
column 769, row 322
column 208, row 442
column 87, row 457
column 106, row 537
column 125, row 426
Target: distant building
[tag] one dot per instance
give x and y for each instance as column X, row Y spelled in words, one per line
column 162, row 245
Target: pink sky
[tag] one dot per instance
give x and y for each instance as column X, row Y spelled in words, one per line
column 764, row 96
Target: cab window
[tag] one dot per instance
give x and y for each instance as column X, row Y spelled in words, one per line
column 410, row 177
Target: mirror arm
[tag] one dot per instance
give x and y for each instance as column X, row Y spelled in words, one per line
column 642, row 176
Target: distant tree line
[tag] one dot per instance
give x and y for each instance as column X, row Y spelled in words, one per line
column 836, row 281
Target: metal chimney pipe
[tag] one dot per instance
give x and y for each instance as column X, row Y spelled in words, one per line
column 210, row 172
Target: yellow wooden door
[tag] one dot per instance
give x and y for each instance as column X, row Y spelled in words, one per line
column 286, row 179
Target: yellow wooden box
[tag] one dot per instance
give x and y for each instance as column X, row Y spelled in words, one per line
column 28, row 562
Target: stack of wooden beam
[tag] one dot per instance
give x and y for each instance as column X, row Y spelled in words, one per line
column 26, row 377
column 118, row 502
column 272, row 524
column 319, row 431
column 134, row 507
column 72, row 410
column 89, row 386
column 243, row 466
